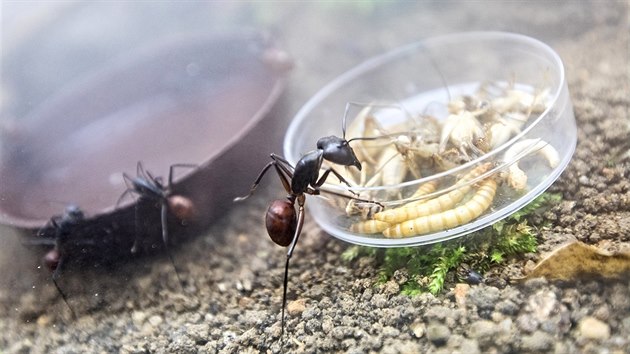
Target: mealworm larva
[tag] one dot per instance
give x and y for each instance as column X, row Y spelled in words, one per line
column 369, row 227
column 460, row 215
column 424, row 189
column 433, row 206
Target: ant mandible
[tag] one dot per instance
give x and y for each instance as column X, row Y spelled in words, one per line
column 151, row 189
column 283, row 224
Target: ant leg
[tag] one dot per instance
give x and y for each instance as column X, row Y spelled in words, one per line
column 38, row 242
column 178, row 165
column 50, row 223
column 129, row 184
column 382, row 105
column 283, row 169
column 122, row 196
column 256, row 182
column 328, row 191
column 55, row 275
column 140, row 170
column 284, row 161
column 164, row 220
column 149, row 176
column 322, row 179
column 134, row 248
column 285, row 172
column 298, row 231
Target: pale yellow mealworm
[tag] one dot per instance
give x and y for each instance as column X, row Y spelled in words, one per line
column 460, row 215
column 369, row 227
column 433, row 206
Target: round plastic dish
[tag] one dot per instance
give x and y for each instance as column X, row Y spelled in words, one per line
column 422, row 76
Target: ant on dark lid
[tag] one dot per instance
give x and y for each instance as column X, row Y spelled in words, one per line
column 283, row 224
column 151, row 189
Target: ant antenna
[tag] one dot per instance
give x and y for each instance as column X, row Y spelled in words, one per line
column 345, row 115
column 363, row 104
column 442, row 77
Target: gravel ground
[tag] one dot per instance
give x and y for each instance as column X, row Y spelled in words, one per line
column 233, row 274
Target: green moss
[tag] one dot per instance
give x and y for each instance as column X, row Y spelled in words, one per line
column 429, row 267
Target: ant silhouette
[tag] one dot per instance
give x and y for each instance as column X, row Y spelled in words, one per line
column 63, row 226
column 283, row 224
column 151, row 189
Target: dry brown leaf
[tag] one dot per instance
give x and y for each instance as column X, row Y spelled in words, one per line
column 578, row 259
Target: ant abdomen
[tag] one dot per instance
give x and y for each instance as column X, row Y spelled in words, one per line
column 182, row 207
column 281, row 221
column 51, row 259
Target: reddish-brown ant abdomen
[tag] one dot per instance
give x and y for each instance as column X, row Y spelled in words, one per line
column 51, row 259
column 281, row 222
column 182, row 207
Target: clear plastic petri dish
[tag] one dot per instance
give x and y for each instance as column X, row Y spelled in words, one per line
column 477, row 124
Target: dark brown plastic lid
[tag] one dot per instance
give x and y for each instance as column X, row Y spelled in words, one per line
column 205, row 100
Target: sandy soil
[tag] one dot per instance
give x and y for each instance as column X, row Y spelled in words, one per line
column 233, row 273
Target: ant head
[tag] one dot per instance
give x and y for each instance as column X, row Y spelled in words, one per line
column 73, row 212
column 338, row 150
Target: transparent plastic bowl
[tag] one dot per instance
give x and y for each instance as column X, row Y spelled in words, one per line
column 422, row 78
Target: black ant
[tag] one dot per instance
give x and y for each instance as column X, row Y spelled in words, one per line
column 151, row 189
column 64, row 226
column 283, row 224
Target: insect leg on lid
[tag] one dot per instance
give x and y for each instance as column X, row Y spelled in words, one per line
column 151, row 189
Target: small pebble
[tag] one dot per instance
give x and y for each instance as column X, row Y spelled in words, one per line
column 155, row 320
column 438, row 334
column 43, row 320
column 296, row 307
column 327, row 324
column 461, row 290
column 592, row 328
column 138, row 317
column 418, row 329
column 482, row 329
column 469, row 346
column 537, row 342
